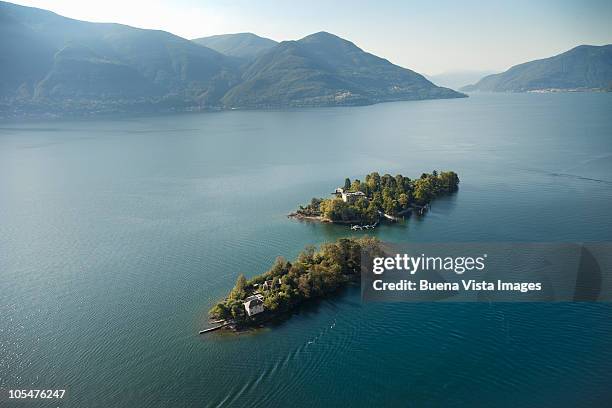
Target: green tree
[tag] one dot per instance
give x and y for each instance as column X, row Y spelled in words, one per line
column 449, row 181
column 387, row 194
column 399, row 182
column 305, row 257
column 304, row 285
column 423, row 190
column 373, row 181
column 237, row 310
column 406, row 185
column 280, row 267
column 333, row 209
column 391, row 206
column 347, row 183
column 220, row 311
column 314, row 273
column 272, row 302
column 239, row 290
column 361, row 205
column 371, row 214
column 387, row 181
column 377, row 200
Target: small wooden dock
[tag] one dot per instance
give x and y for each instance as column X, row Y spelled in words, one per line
column 211, row 329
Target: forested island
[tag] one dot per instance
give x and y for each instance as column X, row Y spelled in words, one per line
column 364, row 202
column 315, row 273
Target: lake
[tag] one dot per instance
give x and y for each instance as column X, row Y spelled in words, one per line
column 117, row 235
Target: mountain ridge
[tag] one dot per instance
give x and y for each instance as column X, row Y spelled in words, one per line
column 240, row 45
column 46, row 56
column 456, row 79
column 584, row 67
column 324, row 69
column 56, row 65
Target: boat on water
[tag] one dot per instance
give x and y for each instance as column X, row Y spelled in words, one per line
column 362, row 227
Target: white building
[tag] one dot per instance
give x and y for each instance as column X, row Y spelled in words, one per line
column 270, row 284
column 254, row 304
column 350, row 197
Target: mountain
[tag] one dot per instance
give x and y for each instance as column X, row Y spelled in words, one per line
column 242, row 45
column 60, row 66
column 323, row 69
column 585, row 67
column 53, row 62
column 457, row 79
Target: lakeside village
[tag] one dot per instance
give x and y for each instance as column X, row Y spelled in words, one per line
column 317, row 273
column 363, row 205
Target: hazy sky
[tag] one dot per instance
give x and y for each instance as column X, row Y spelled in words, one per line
column 427, row 36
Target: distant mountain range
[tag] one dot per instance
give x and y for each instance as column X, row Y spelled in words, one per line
column 53, row 64
column 458, row 79
column 242, row 45
column 323, row 69
column 56, row 65
column 586, row 67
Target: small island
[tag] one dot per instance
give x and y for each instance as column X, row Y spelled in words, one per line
column 364, row 203
column 317, row 273
column 286, row 285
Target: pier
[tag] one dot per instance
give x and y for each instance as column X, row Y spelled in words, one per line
column 212, row 329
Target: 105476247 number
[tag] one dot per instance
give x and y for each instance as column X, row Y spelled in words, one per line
column 34, row 394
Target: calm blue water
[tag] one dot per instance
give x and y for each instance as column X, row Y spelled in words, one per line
column 116, row 236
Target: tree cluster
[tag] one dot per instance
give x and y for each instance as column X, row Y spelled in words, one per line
column 388, row 194
column 314, row 273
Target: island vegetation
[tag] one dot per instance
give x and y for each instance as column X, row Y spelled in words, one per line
column 364, row 202
column 315, row 273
